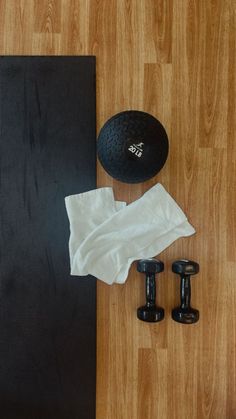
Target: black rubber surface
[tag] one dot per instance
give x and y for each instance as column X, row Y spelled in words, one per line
column 47, row 317
column 132, row 146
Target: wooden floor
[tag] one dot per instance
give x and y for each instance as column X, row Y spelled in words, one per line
column 175, row 59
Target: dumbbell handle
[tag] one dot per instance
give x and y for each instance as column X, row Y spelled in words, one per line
column 185, row 291
column 150, row 290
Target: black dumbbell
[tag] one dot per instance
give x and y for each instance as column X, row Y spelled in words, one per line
column 185, row 313
column 150, row 312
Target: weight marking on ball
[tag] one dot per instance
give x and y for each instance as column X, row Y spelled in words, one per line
column 136, row 149
column 139, row 146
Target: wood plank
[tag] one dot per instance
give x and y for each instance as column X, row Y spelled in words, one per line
column 211, row 290
column 18, row 27
column 74, row 26
column 214, row 18
column 231, row 341
column 231, row 147
column 47, row 16
column 157, row 27
column 152, row 368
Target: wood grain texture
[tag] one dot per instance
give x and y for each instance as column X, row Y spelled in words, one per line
column 152, row 368
column 175, row 59
column 157, row 27
column 47, row 16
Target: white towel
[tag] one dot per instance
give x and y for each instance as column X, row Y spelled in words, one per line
column 107, row 236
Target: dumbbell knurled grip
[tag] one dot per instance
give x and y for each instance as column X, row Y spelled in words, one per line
column 150, row 289
column 185, row 292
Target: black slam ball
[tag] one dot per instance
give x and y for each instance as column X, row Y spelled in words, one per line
column 132, row 146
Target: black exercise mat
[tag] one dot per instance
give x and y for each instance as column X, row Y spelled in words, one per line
column 47, row 317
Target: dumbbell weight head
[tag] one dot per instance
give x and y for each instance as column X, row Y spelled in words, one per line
column 151, row 314
column 150, row 266
column 185, row 267
column 186, row 316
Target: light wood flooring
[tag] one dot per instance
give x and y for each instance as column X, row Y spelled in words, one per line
column 175, row 59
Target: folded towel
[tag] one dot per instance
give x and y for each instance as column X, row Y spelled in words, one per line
column 108, row 235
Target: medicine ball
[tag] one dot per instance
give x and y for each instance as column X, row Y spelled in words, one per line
column 132, row 146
